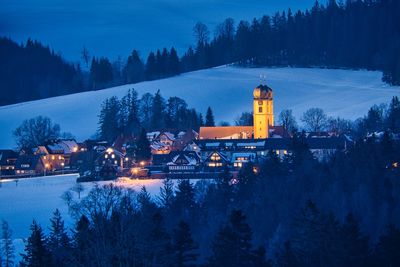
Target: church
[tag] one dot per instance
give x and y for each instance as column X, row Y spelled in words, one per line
column 263, row 121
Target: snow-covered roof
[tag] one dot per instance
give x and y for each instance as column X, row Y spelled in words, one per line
column 212, row 144
column 190, row 160
column 261, row 143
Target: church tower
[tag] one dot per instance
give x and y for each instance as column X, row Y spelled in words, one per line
column 263, row 111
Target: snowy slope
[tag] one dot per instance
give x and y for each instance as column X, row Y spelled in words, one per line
column 228, row 90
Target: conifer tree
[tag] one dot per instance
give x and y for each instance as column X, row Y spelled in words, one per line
column 158, row 108
column 183, row 246
column 143, row 151
column 59, row 242
column 82, row 242
column 36, row 252
column 232, row 244
column 209, row 118
column 6, row 246
column 166, row 194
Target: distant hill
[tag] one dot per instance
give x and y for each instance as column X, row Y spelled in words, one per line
column 32, row 71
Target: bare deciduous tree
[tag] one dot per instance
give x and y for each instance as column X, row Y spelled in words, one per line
column 201, row 33
column 314, row 120
column 36, row 131
column 287, row 120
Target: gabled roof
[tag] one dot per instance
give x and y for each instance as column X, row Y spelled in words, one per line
column 224, row 132
column 7, row 154
column 340, row 142
column 31, row 160
column 222, row 156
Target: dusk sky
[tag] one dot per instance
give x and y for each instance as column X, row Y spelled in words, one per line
column 113, row 28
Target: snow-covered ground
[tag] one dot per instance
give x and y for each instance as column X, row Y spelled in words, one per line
column 228, row 90
column 25, row 200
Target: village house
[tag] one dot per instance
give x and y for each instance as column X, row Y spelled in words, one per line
column 8, row 159
column 30, row 165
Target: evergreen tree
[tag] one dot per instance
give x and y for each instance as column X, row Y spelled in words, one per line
column 134, row 69
column 82, row 242
column 183, row 246
column 143, row 151
column 209, row 118
column 109, row 119
column 59, row 242
column 6, row 246
column 166, row 197
column 36, row 253
column 388, row 247
column 158, row 108
column 174, row 63
column 232, row 245
column 151, row 67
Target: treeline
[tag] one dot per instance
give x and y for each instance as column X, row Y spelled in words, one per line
column 151, row 112
column 33, row 71
column 360, row 34
column 295, row 212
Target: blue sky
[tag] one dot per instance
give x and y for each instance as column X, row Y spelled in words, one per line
column 114, row 27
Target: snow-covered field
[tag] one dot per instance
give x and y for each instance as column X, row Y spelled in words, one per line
column 25, row 200
column 228, row 90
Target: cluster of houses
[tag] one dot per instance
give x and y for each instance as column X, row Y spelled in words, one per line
column 52, row 157
column 174, row 153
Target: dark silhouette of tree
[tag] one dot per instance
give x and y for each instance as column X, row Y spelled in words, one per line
column 209, row 118
column 6, row 246
column 36, row 253
column 36, row 131
column 183, row 246
column 134, row 69
column 143, row 151
column 59, row 242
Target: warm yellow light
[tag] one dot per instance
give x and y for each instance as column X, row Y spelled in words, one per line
column 75, row 149
column 395, row 165
column 142, row 163
column 126, row 159
column 109, row 150
column 47, row 165
column 62, row 164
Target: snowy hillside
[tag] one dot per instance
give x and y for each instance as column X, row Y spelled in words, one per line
column 228, row 90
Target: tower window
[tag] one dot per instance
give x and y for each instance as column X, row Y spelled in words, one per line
column 260, row 103
column 260, row 109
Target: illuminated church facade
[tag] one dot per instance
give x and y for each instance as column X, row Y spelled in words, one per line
column 263, row 121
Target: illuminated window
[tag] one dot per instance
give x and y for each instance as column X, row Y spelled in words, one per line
column 59, row 157
column 260, row 109
column 53, row 157
column 260, row 103
column 45, row 157
column 115, row 162
column 113, row 156
column 215, row 157
column 277, row 152
column 106, row 156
